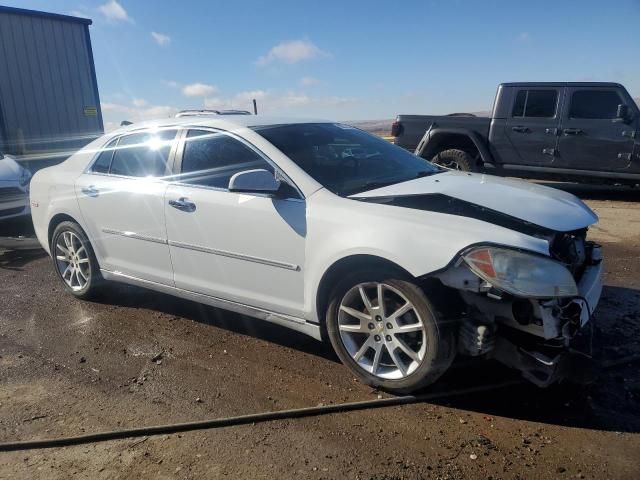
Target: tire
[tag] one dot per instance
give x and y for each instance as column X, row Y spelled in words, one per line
column 455, row 159
column 76, row 267
column 432, row 344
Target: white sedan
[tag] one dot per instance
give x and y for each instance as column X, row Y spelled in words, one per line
column 332, row 232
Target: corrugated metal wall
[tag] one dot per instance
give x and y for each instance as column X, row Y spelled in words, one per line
column 48, row 94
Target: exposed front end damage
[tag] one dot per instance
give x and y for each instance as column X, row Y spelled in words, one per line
column 537, row 336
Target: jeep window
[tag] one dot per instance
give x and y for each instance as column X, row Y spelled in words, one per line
column 344, row 159
column 212, row 158
column 535, row 103
column 143, row 154
column 594, row 104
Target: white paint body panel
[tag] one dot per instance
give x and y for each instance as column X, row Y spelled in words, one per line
column 260, row 245
column 537, row 204
column 312, row 234
column 127, row 218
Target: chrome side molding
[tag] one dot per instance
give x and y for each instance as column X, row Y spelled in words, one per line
column 239, row 256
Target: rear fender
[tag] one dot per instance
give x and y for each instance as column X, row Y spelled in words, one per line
column 434, row 137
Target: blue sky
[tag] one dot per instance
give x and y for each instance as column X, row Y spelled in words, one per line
column 347, row 60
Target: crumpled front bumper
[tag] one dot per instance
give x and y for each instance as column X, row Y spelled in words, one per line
column 545, row 365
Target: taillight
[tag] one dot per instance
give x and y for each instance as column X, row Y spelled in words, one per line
column 396, row 128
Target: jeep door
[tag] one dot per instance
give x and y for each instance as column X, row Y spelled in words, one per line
column 591, row 138
column 533, row 125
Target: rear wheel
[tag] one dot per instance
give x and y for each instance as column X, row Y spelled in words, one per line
column 386, row 331
column 74, row 260
column 455, row 159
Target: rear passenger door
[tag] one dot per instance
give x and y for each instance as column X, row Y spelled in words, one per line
column 590, row 138
column 532, row 127
column 121, row 198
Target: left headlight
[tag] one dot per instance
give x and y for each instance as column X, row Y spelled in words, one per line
column 521, row 274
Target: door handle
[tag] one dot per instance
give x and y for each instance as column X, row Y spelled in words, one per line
column 520, row 129
column 183, row 204
column 90, row 191
column 573, row 131
column 551, row 131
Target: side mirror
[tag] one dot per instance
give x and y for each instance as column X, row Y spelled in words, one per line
column 254, row 181
column 622, row 114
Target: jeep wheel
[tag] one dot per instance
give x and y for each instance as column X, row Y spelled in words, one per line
column 455, row 159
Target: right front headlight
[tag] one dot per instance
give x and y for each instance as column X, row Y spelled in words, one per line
column 521, row 274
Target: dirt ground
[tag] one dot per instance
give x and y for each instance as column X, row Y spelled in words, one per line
column 69, row 367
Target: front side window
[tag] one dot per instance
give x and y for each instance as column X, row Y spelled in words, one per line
column 212, row 158
column 594, row 104
column 143, row 154
column 535, row 103
column 344, row 159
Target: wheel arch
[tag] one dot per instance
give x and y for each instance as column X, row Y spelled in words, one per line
column 343, row 266
column 56, row 220
column 441, row 139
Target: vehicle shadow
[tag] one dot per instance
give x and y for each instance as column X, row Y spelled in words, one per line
column 598, row 192
column 135, row 297
column 17, row 259
column 610, row 403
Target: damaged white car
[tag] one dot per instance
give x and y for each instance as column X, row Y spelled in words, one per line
column 332, row 232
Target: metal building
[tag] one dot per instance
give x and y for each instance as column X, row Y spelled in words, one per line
column 49, row 102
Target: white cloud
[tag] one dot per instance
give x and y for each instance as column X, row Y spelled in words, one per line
column 139, row 102
column 309, row 82
column 115, row 113
column 161, row 39
column 270, row 101
column 199, row 90
column 79, row 13
column 290, row 52
column 114, row 12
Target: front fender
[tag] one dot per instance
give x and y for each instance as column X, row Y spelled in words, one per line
column 419, row 242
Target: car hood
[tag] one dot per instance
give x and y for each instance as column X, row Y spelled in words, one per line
column 514, row 204
column 10, row 170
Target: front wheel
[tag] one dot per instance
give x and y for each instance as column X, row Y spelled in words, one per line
column 386, row 331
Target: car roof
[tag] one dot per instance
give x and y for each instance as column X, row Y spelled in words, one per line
column 224, row 122
column 560, row 84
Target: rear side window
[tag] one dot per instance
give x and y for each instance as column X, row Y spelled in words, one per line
column 103, row 162
column 594, row 104
column 535, row 103
column 212, row 158
column 143, row 154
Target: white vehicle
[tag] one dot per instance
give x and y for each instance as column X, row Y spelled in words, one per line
column 14, row 188
column 399, row 263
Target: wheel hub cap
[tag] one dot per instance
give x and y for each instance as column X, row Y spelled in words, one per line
column 382, row 330
column 72, row 260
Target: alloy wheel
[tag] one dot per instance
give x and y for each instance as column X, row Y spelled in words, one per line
column 72, row 260
column 382, row 330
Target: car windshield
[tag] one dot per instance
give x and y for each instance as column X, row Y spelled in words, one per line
column 344, row 159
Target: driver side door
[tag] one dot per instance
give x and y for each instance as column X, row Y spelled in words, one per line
column 245, row 248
